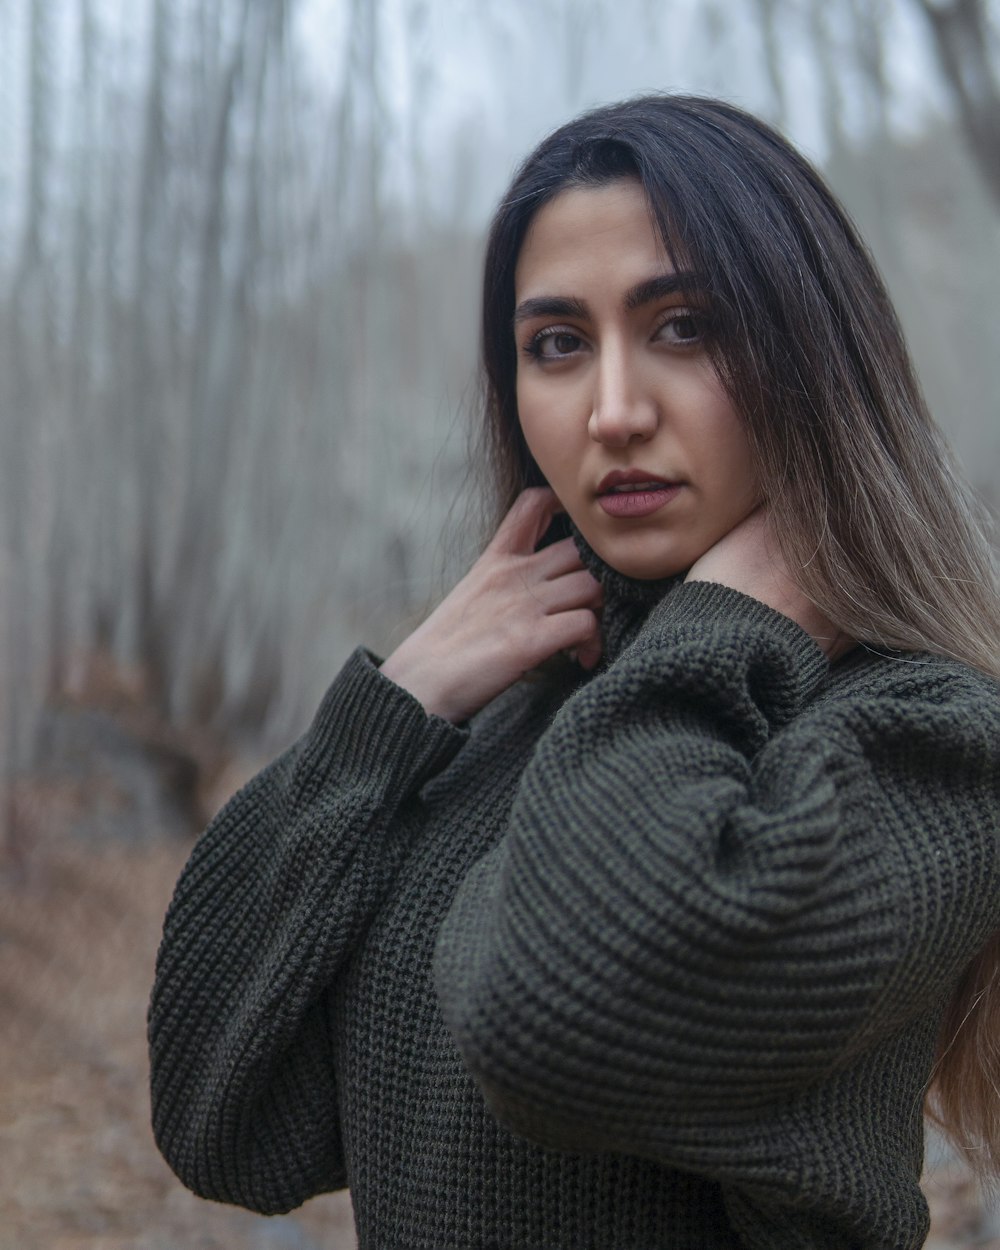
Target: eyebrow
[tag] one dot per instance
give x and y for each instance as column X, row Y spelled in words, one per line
column 645, row 292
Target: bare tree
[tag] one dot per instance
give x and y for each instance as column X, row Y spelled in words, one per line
column 767, row 17
column 965, row 45
column 233, row 337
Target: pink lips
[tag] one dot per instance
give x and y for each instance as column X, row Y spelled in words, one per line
column 634, row 493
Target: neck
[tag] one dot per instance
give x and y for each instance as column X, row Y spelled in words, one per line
column 627, row 600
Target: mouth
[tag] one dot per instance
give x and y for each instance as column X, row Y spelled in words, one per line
column 633, row 481
column 632, row 488
column 631, row 494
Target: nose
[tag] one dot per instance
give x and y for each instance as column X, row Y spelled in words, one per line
column 623, row 410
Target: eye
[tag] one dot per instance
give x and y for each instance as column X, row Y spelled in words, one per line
column 553, row 343
column 683, row 328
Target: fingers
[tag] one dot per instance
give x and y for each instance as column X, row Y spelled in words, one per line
column 562, row 557
column 522, row 528
column 588, row 654
column 573, row 590
column 743, row 557
column 577, row 632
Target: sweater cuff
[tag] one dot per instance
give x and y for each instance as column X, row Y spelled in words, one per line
column 369, row 726
column 694, row 608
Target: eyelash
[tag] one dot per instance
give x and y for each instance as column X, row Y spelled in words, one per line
column 533, row 348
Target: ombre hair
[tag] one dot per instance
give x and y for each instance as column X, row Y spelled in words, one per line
column 876, row 526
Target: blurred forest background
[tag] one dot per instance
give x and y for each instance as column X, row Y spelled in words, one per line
column 239, row 262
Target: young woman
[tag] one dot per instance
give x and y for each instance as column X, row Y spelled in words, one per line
column 660, row 946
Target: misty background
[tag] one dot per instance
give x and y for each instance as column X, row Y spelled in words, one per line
column 239, row 259
column 240, row 244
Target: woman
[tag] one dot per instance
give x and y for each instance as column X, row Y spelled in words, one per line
column 659, row 948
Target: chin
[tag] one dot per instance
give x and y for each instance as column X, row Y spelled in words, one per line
column 643, row 566
column 649, row 573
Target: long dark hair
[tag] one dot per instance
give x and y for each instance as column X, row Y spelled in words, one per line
column 878, row 529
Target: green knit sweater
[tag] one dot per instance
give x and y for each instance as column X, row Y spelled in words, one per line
column 654, row 959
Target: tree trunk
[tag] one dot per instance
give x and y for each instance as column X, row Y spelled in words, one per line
column 961, row 40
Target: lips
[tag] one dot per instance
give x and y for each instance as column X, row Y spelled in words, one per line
column 631, row 494
column 631, row 487
column 622, row 481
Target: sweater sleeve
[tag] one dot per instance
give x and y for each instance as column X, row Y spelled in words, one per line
column 716, row 889
column 265, row 914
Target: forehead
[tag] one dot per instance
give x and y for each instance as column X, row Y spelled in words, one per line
column 593, row 234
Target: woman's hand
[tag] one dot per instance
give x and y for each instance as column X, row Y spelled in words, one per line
column 514, row 608
column 748, row 559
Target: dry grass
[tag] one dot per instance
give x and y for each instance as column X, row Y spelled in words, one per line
column 79, row 927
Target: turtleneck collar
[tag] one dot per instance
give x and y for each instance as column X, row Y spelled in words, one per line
column 627, row 600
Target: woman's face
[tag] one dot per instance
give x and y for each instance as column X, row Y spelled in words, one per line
column 618, row 400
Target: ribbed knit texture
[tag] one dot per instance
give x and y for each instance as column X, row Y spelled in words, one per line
column 655, row 962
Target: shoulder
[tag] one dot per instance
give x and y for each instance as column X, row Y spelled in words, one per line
column 933, row 710
column 913, row 741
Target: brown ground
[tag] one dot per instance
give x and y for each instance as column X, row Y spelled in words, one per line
column 79, row 926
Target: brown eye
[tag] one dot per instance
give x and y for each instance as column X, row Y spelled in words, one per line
column 554, row 344
column 683, row 329
column 686, row 328
column 564, row 344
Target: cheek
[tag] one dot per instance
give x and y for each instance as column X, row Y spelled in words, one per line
column 524, row 415
column 742, row 472
column 540, row 432
column 727, row 451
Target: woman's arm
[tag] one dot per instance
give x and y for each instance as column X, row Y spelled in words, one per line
column 273, row 900
column 713, row 894
column 287, row 877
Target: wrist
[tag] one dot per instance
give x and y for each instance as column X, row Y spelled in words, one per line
column 420, row 681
